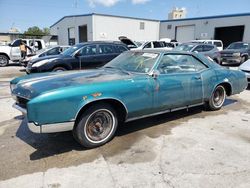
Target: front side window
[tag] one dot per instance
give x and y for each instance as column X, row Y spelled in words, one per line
column 179, row 63
column 53, row 51
column 121, row 48
column 207, row 48
column 148, row 45
column 198, row 49
column 88, row 50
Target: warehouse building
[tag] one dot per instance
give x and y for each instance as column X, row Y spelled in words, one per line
column 80, row 28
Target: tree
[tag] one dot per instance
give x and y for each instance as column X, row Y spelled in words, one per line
column 37, row 31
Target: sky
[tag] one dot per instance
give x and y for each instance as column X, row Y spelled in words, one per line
column 23, row 14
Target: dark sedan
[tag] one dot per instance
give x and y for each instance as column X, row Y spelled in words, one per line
column 208, row 50
column 80, row 56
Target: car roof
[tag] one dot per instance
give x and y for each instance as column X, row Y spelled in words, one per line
column 102, row 42
column 163, row 51
column 197, row 43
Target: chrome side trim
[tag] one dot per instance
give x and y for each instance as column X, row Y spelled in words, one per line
column 104, row 98
column 51, row 128
column 21, row 109
column 165, row 111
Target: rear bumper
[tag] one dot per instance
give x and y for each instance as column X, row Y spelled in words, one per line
column 46, row 128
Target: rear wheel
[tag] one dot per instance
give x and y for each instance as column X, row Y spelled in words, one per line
column 217, row 99
column 96, row 126
column 58, row 69
column 4, row 60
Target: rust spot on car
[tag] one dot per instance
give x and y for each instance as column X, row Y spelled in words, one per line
column 96, row 94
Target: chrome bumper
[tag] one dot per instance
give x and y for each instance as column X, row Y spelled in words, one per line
column 47, row 128
column 51, row 128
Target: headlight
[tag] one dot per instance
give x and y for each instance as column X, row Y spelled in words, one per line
column 236, row 54
column 12, row 87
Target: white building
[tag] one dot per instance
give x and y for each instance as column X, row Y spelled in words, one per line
column 79, row 28
column 92, row 27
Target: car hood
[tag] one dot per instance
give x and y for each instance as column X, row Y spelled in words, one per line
column 49, row 58
column 245, row 65
column 232, row 50
column 30, row 86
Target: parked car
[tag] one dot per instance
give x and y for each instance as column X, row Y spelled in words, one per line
column 12, row 51
column 132, row 45
column 217, row 43
column 205, row 49
column 237, row 52
column 245, row 67
column 81, row 56
column 136, row 84
column 44, row 52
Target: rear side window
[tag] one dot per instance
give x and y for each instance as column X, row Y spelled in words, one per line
column 106, row 49
column 159, row 44
column 120, row 48
column 218, row 44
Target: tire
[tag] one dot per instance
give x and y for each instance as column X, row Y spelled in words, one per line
column 96, row 126
column 243, row 59
column 58, row 69
column 217, row 99
column 4, row 60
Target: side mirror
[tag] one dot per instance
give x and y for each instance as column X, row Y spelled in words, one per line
column 155, row 74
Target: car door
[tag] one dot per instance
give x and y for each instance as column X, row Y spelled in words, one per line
column 15, row 52
column 86, row 57
column 179, row 82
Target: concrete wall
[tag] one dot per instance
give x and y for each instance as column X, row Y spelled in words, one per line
column 61, row 28
column 110, row 28
column 204, row 28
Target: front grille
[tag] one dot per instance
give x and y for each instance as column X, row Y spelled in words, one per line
column 22, row 102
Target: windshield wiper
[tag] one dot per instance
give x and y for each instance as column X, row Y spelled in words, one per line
column 118, row 68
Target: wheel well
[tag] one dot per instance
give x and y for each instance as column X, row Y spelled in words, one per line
column 117, row 106
column 227, row 87
column 63, row 66
column 5, row 55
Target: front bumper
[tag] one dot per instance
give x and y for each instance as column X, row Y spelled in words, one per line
column 232, row 59
column 46, row 128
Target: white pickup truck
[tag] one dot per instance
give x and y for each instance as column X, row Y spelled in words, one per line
column 12, row 51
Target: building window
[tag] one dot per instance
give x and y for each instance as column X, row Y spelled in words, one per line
column 169, row 27
column 142, row 25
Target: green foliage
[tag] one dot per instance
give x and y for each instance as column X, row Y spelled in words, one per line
column 37, row 31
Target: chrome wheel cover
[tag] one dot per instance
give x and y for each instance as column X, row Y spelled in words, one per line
column 99, row 126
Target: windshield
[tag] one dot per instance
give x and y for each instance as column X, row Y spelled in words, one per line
column 238, row 46
column 140, row 62
column 184, row 47
column 71, row 50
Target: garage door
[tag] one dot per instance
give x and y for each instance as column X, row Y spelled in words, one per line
column 185, row 33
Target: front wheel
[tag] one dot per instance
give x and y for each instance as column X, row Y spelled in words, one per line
column 4, row 61
column 217, row 99
column 58, row 69
column 96, row 126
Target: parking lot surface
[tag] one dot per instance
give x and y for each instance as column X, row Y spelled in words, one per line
column 194, row 148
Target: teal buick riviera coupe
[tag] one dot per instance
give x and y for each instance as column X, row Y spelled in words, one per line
column 136, row 84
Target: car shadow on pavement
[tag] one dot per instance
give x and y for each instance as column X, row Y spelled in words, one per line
column 47, row 145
